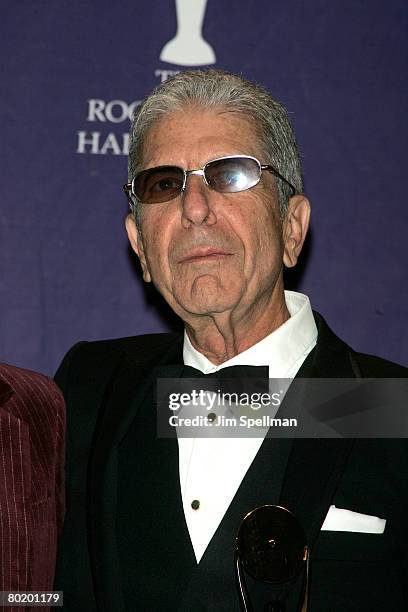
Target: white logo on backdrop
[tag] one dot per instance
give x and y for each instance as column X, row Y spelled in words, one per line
column 101, row 111
column 187, row 48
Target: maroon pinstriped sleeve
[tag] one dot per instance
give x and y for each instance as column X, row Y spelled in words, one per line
column 32, row 430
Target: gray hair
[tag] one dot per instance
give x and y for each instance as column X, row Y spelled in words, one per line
column 216, row 89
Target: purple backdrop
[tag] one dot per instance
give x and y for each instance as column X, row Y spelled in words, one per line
column 71, row 73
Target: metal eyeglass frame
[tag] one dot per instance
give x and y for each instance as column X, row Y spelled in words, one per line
column 129, row 187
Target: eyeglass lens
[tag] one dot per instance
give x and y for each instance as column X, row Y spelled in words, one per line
column 159, row 184
column 229, row 175
column 232, row 175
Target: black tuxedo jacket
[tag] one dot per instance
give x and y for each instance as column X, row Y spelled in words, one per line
column 125, row 544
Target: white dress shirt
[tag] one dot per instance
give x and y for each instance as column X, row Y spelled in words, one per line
column 212, row 469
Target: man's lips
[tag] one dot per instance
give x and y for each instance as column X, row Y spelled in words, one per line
column 203, row 254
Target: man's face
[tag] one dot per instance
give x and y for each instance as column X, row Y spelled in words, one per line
column 209, row 252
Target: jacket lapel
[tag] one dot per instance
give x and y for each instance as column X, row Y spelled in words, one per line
column 130, row 384
column 315, row 465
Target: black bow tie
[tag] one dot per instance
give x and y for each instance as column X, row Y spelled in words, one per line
column 237, row 379
column 233, row 379
column 238, row 371
column 185, row 371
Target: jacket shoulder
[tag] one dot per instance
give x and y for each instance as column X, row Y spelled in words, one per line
column 136, row 345
column 94, row 360
column 29, row 386
column 332, row 357
column 376, row 367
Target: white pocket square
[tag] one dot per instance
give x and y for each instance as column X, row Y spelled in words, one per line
column 339, row 519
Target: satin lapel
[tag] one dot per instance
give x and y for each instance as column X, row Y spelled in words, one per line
column 315, row 465
column 131, row 382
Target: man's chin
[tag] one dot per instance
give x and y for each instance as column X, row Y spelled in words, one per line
column 205, row 306
column 204, row 296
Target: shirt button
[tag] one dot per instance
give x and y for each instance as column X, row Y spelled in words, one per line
column 211, row 417
column 195, row 504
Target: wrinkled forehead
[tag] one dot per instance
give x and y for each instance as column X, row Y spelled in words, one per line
column 193, row 124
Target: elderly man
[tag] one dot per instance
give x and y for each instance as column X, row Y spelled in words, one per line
column 217, row 212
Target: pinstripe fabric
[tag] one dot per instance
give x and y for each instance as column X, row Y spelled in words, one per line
column 32, row 427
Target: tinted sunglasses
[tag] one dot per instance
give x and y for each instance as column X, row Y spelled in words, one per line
column 229, row 174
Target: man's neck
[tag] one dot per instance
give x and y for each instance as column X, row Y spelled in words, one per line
column 220, row 337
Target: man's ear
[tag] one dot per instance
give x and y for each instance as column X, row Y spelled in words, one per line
column 136, row 242
column 295, row 226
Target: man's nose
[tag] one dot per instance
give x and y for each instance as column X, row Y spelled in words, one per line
column 197, row 203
